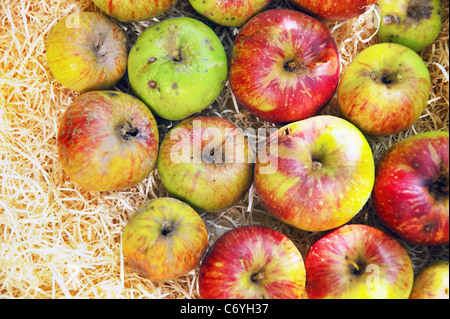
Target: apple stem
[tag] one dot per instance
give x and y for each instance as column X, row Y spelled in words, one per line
column 257, row 276
column 355, row 265
column 290, row 66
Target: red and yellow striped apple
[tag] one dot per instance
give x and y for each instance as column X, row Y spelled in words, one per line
column 229, row 12
column 284, row 66
column 385, row 89
column 358, row 262
column 411, row 193
column 164, row 240
column 316, row 174
column 252, row 262
column 207, row 162
column 87, row 51
column 134, row 10
column 432, row 282
column 107, row 140
column 333, row 9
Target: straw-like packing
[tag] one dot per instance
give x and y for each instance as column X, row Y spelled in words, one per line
column 58, row 240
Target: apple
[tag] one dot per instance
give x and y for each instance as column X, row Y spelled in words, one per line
column 207, row 162
column 411, row 192
column 229, row 12
column 107, row 140
column 316, row 174
column 134, row 10
column 284, row 66
column 358, row 262
column 252, row 262
column 432, row 282
column 413, row 23
column 385, row 89
column 86, row 51
column 164, row 240
column 332, row 9
column 177, row 67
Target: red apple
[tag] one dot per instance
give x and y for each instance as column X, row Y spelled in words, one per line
column 107, row 140
column 432, row 282
column 252, row 262
column 411, row 193
column 358, row 262
column 316, row 174
column 385, row 89
column 229, row 12
column 164, row 240
column 284, row 66
column 207, row 162
column 87, row 51
column 333, row 9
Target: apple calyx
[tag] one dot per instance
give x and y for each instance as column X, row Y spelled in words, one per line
column 100, row 48
column 386, row 77
column 167, row 227
column 127, row 131
column 439, row 187
column 257, row 277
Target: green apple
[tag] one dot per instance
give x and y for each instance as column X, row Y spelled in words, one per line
column 177, row 67
column 207, row 162
column 432, row 282
column 134, row 10
column 87, row 51
column 385, row 89
column 229, row 12
column 165, row 239
column 413, row 23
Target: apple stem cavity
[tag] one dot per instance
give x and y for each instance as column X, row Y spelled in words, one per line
column 439, row 187
column 127, row 131
column 176, row 55
column 356, row 268
column 167, row 228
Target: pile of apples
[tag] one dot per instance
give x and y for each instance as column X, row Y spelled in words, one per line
column 315, row 172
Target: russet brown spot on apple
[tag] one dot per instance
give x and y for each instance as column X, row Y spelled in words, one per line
column 152, row 84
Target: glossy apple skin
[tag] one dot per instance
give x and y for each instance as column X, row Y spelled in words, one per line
column 134, row 10
column 284, row 66
column 385, row 89
column 207, row 182
column 413, row 23
column 411, row 193
column 332, row 9
column 177, row 67
column 107, row 140
column 86, row 51
column 384, row 268
column 229, row 12
column 165, row 239
column 252, row 262
column 432, row 282
column 320, row 178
